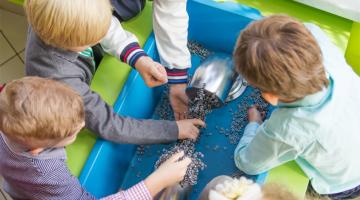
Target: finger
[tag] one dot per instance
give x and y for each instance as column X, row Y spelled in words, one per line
column 177, row 116
column 253, row 110
column 156, row 83
column 164, row 74
column 158, row 74
column 184, row 99
column 155, row 77
column 177, row 156
column 195, row 130
column 161, row 69
column 182, row 116
column 263, row 114
column 150, row 83
column 186, row 161
column 253, row 107
column 198, row 122
column 195, row 135
column 161, row 80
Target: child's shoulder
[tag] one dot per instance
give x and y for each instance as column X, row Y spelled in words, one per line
column 45, row 162
column 22, row 163
column 40, row 54
column 289, row 124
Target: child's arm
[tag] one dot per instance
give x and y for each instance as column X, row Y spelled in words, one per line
column 125, row 47
column 55, row 181
column 260, row 149
column 52, row 180
column 163, row 177
column 121, row 44
column 169, row 173
column 101, row 118
column 138, row 192
column 170, row 22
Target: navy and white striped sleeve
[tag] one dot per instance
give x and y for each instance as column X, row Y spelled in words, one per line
column 177, row 76
column 132, row 53
column 122, row 44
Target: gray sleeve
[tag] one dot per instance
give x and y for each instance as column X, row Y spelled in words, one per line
column 101, row 119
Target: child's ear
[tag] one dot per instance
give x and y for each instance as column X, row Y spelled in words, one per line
column 270, row 98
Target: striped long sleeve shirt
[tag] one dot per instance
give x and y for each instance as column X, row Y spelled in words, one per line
column 122, row 44
column 170, row 24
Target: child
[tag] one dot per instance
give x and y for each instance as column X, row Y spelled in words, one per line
column 36, row 124
column 297, row 68
column 227, row 188
column 170, row 25
column 58, row 47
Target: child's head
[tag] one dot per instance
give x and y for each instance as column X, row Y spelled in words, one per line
column 273, row 191
column 69, row 24
column 279, row 55
column 40, row 113
column 245, row 189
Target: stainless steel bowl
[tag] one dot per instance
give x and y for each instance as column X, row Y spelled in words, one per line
column 217, row 76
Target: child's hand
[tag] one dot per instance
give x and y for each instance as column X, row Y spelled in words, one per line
column 169, row 173
column 179, row 100
column 166, row 170
column 188, row 128
column 152, row 72
column 254, row 115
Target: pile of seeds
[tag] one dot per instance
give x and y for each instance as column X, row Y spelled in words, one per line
column 192, row 172
column 202, row 104
column 198, row 108
column 198, row 49
column 239, row 116
column 163, row 109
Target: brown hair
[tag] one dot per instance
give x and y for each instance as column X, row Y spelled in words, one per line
column 69, row 23
column 279, row 55
column 38, row 108
column 274, row 191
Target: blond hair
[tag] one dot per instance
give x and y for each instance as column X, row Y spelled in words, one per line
column 279, row 55
column 41, row 109
column 69, row 23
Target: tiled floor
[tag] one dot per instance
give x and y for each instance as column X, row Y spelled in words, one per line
column 13, row 29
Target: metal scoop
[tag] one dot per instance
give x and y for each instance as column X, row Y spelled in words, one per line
column 216, row 75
